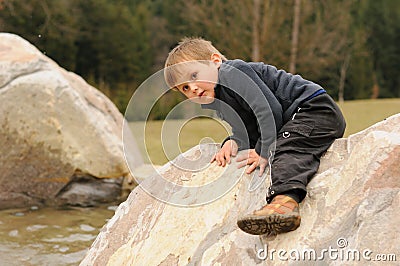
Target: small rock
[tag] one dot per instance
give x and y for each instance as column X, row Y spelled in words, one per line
column 87, row 228
column 13, row 233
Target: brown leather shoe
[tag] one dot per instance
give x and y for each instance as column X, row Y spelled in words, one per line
column 280, row 216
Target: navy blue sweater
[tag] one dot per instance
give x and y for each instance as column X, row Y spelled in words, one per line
column 257, row 99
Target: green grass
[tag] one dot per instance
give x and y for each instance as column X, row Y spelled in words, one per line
column 180, row 136
column 361, row 114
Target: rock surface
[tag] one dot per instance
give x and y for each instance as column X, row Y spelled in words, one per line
column 351, row 206
column 60, row 138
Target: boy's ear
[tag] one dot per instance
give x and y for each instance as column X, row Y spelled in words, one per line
column 216, row 58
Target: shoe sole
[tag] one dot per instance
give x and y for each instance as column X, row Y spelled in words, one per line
column 271, row 224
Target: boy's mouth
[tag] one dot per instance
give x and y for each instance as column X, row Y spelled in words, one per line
column 200, row 94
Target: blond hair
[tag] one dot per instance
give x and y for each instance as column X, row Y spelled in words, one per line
column 188, row 49
column 191, row 49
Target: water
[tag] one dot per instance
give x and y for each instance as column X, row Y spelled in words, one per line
column 48, row 236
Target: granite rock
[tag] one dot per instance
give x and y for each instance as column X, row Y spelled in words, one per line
column 60, row 138
column 351, row 207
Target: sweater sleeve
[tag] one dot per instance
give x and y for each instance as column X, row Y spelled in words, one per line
column 251, row 89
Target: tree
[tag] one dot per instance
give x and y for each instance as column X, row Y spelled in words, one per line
column 113, row 44
column 350, row 47
column 255, row 31
column 295, row 36
column 382, row 24
column 46, row 24
column 343, row 71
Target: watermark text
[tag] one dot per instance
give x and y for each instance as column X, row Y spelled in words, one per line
column 338, row 253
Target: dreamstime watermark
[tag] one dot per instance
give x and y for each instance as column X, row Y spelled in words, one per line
column 339, row 253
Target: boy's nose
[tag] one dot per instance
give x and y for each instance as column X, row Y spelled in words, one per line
column 192, row 87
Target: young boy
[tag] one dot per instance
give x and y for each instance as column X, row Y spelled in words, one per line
column 270, row 111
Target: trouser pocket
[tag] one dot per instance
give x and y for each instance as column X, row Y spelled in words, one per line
column 295, row 135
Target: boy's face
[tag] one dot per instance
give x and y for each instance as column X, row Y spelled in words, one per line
column 199, row 81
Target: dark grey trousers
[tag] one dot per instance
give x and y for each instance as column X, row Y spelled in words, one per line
column 300, row 144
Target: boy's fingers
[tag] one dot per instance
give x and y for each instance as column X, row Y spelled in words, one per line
column 228, row 156
column 220, row 159
column 213, row 158
column 263, row 165
column 243, row 163
column 251, row 168
column 242, row 157
column 262, row 169
column 234, row 150
column 223, row 162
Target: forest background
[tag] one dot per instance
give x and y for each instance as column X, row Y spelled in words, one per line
column 350, row 47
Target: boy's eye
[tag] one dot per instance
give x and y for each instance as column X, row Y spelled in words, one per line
column 185, row 88
column 194, row 75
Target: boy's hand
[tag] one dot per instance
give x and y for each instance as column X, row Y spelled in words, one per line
column 253, row 159
column 223, row 156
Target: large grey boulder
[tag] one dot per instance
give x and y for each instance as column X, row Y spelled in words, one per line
column 350, row 213
column 60, row 138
